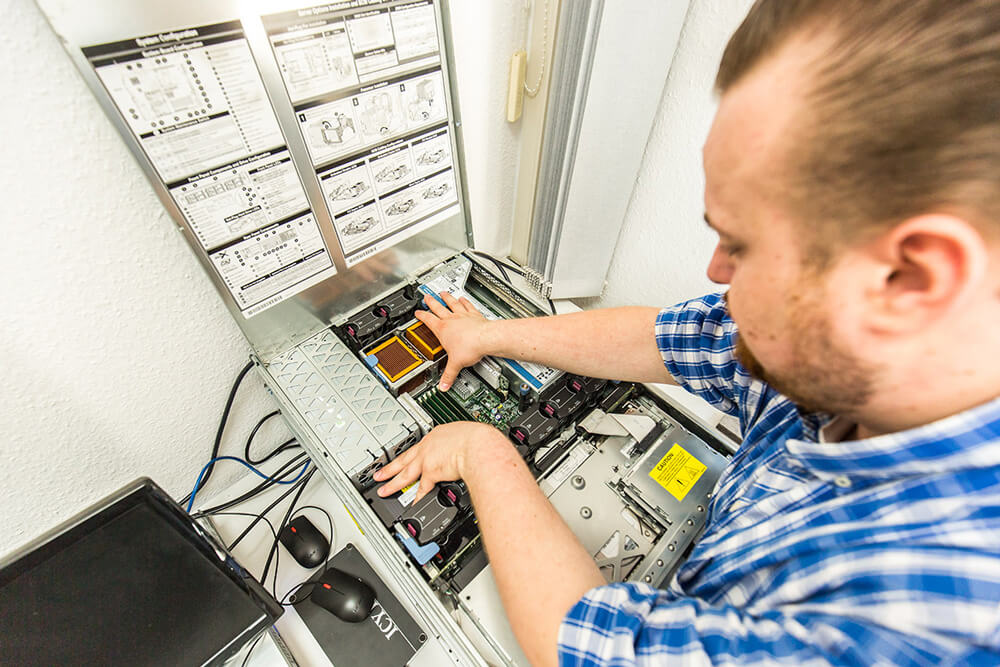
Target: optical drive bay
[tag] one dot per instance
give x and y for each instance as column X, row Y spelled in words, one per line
column 631, row 480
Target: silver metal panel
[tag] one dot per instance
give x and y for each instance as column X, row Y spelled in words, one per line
column 360, row 423
column 280, row 326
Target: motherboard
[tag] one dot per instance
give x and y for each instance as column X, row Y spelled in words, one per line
column 631, row 479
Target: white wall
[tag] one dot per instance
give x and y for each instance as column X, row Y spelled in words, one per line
column 664, row 245
column 117, row 352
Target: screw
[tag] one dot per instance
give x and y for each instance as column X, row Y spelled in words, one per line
column 671, row 547
column 659, row 563
column 586, row 513
column 647, row 579
column 578, row 482
column 690, row 522
column 700, row 508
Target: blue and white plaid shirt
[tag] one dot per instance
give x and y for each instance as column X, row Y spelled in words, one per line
column 874, row 552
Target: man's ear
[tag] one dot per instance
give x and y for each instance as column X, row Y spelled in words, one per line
column 928, row 266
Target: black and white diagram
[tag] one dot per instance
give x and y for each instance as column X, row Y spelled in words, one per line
column 423, row 99
column 194, row 101
column 193, row 98
column 380, row 114
column 347, row 186
column 376, row 132
column 330, row 130
column 415, row 31
column 360, row 225
column 432, row 152
column 315, row 62
column 226, row 203
column 392, row 169
column 271, row 260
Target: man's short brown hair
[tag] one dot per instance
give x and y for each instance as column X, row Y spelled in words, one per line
column 901, row 113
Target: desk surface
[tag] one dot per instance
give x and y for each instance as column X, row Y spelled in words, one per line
column 252, row 552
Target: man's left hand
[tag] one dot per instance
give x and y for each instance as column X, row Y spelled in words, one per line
column 443, row 455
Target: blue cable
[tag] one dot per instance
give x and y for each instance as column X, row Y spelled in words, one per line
column 197, row 484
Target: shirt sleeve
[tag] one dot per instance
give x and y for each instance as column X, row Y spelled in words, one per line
column 622, row 625
column 697, row 340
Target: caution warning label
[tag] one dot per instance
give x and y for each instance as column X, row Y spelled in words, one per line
column 678, row 471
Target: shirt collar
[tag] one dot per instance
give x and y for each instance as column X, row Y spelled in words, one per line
column 969, row 439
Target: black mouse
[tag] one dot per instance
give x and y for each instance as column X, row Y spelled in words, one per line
column 346, row 597
column 303, row 540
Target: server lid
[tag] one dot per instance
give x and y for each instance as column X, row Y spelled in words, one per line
column 311, row 156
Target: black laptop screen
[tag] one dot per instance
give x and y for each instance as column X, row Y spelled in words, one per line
column 132, row 585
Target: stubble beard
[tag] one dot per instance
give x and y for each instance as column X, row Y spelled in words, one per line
column 823, row 376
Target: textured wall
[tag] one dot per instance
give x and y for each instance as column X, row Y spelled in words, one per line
column 664, row 246
column 117, row 352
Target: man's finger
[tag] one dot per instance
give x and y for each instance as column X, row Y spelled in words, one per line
column 430, row 319
column 426, row 486
column 452, row 302
column 408, row 475
column 394, row 466
column 468, row 305
column 451, row 372
column 436, row 306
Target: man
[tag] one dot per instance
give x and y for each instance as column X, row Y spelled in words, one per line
column 853, row 177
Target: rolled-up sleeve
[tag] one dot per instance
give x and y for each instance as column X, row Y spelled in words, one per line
column 697, row 340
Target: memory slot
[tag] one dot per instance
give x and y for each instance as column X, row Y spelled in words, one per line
column 434, row 411
column 456, row 406
column 440, row 412
column 439, row 402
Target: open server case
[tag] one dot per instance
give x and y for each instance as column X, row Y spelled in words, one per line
column 312, row 157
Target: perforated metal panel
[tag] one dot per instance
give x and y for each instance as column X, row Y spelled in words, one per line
column 359, row 422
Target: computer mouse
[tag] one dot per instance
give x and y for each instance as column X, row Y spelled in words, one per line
column 345, row 596
column 303, row 540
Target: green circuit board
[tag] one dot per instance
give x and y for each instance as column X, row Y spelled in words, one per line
column 484, row 405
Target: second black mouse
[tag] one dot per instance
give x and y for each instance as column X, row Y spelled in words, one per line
column 343, row 595
column 303, row 540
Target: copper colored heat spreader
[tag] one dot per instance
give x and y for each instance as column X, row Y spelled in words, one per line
column 422, row 338
column 395, row 359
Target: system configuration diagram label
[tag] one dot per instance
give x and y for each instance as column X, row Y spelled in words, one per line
column 366, row 84
column 194, row 101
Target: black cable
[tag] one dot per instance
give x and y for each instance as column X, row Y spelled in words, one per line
column 284, row 471
column 222, row 427
column 251, row 515
column 285, row 446
column 500, row 265
column 284, row 495
column 252, row 647
column 284, row 522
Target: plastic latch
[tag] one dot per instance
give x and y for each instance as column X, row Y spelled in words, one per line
column 422, row 554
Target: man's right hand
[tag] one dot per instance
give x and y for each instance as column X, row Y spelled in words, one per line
column 462, row 332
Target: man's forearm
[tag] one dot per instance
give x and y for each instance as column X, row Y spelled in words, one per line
column 613, row 343
column 540, row 567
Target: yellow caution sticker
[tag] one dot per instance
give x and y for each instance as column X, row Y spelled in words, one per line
column 678, row 472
